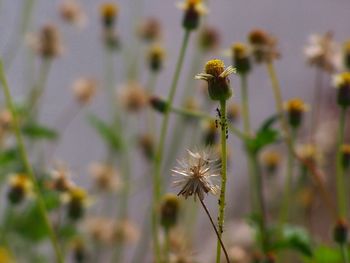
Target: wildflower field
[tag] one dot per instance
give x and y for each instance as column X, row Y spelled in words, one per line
column 157, row 131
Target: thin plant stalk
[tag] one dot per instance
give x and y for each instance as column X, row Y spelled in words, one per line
column 247, row 132
column 222, row 199
column 259, row 193
column 215, row 229
column 27, row 165
column 284, row 212
column 39, row 88
column 345, row 253
column 12, row 48
column 160, row 150
column 316, row 173
column 341, row 193
column 317, row 100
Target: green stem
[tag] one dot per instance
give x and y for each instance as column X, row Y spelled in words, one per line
column 39, row 88
column 159, row 154
column 167, row 246
column 245, row 104
column 12, row 48
column 216, row 231
column 341, row 194
column 260, row 201
column 284, row 212
column 27, row 166
column 222, row 201
column 344, row 253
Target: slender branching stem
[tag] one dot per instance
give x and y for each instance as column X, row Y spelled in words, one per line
column 222, row 198
column 341, row 194
column 27, row 165
column 215, row 229
column 285, row 207
column 157, row 180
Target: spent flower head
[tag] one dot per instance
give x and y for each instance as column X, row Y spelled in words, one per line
column 241, row 57
column 84, row 90
column 155, row 57
column 47, row 42
column 323, row 52
column 150, row 29
column 133, row 97
column 216, row 75
column 193, row 10
column 346, row 54
column 208, row 38
column 196, row 174
column 71, row 12
column 263, row 46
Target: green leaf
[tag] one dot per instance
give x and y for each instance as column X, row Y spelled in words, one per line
column 7, row 156
column 30, row 224
column 107, row 133
column 324, row 254
column 295, row 238
column 67, row 232
column 37, row 131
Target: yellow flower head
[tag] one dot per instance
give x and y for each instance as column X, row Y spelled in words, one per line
column 239, row 50
column 214, row 67
column 109, row 10
column 296, row 105
column 21, row 181
column 196, row 5
column 342, row 80
column 345, row 149
column 271, row 159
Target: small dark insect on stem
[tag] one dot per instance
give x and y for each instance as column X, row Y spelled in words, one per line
column 216, row 231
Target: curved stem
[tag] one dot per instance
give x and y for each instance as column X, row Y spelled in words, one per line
column 27, row 165
column 284, row 212
column 160, row 150
column 341, row 194
column 216, row 231
column 221, row 216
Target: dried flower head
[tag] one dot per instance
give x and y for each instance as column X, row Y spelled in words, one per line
column 238, row 255
column 146, row 143
column 216, row 75
column 150, row 30
column 47, row 43
column 133, row 97
column 60, row 179
column 84, row 90
column 99, row 229
column 241, row 58
column 322, row 52
column 263, row 46
column 125, row 232
column 342, row 83
column 72, row 13
column 20, row 187
column 209, row 38
column 155, row 57
column 295, row 109
column 105, row 177
column 309, row 153
column 109, row 12
column 193, row 10
column 196, row 173
column 271, row 161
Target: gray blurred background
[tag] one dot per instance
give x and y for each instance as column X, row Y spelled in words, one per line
column 290, row 21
